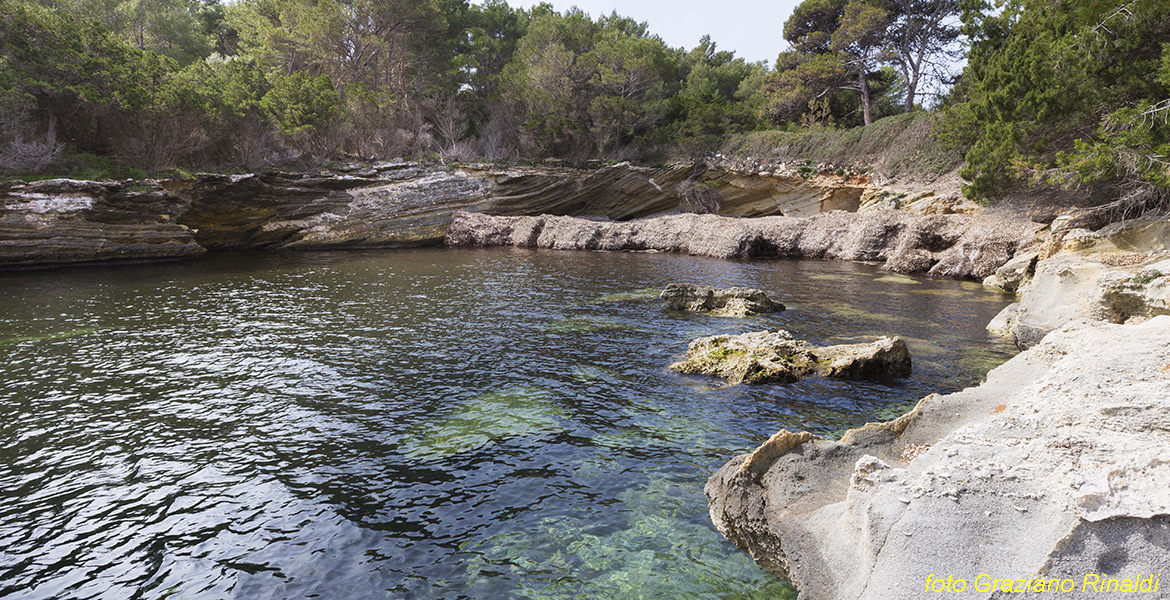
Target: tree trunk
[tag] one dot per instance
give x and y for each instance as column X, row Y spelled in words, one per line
column 911, row 91
column 863, row 85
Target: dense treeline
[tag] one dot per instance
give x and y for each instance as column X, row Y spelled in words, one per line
column 1054, row 90
column 1066, row 93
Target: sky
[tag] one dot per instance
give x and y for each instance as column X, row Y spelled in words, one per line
column 752, row 28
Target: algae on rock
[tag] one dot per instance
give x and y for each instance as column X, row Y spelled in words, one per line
column 767, row 357
column 485, row 419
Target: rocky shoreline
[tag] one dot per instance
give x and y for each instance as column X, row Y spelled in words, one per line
column 1054, row 467
column 384, row 205
column 951, row 245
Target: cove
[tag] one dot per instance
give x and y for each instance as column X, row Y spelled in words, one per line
column 417, row 424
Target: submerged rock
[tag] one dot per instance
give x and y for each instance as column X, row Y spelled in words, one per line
column 774, row 356
column 727, row 302
column 1053, row 468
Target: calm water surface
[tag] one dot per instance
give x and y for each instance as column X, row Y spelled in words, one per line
column 415, row 424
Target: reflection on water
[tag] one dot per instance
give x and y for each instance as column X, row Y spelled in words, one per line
column 417, row 424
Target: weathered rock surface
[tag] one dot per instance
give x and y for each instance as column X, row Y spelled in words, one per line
column 1117, row 274
column 774, row 356
column 726, row 302
column 956, row 246
column 1055, row 467
column 63, row 221
column 403, row 204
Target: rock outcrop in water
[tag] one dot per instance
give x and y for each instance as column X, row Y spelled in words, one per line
column 956, row 246
column 1053, row 468
column 775, row 357
column 62, row 221
column 727, row 302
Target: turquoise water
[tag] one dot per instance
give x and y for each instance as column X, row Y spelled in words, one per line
column 415, row 424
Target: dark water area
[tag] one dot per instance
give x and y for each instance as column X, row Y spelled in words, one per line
column 416, row 424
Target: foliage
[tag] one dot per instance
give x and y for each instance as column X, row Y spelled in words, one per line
column 1064, row 93
column 897, row 145
column 694, row 197
column 845, row 46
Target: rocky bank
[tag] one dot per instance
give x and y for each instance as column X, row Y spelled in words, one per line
column 1056, row 467
column 62, row 221
column 1117, row 274
column 943, row 245
column 384, row 205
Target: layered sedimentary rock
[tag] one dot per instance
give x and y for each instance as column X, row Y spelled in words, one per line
column 726, row 302
column 62, row 221
column 776, row 357
column 1054, row 468
column 403, row 204
column 956, row 246
column 390, row 205
column 386, row 205
column 1117, row 274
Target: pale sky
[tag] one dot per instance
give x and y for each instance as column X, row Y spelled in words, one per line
column 752, row 28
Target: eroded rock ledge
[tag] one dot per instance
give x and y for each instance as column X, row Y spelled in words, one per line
column 385, row 205
column 1055, row 467
column 956, row 246
column 1118, row 274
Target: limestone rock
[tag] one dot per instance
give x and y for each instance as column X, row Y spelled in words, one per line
column 957, row 246
column 1005, row 322
column 63, row 221
column 727, row 302
column 775, row 357
column 885, row 357
column 1054, row 467
column 1068, row 287
column 1014, row 273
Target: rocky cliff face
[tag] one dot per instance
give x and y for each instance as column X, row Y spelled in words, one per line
column 957, row 246
column 1054, row 468
column 386, row 205
column 62, row 221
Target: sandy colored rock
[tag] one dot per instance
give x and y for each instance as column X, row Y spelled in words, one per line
column 1055, row 467
column 1078, row 285
column 725, row 302
column 775, row 357
column 957, row 246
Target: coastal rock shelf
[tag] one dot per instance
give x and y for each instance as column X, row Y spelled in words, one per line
column 1118, row 274
column 1053, row 468
column 955, row 246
